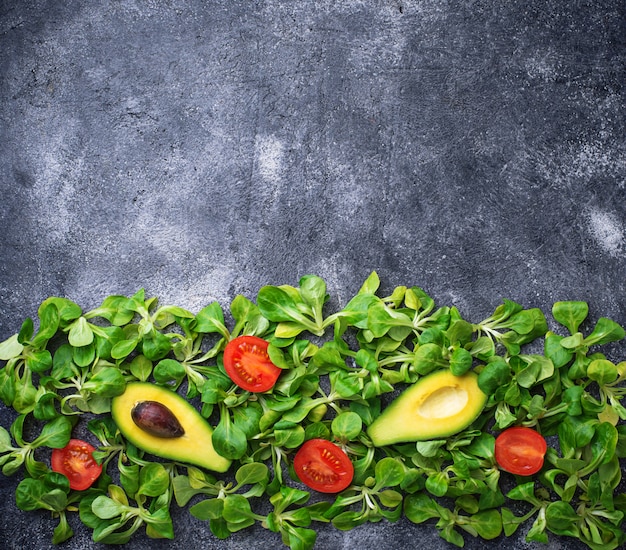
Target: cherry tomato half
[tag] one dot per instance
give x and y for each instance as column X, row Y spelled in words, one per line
column 248, row 365
column 323, row 466
column 75, row 461
column 520, row 450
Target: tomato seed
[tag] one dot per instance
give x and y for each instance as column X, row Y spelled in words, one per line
column 75, row 458
column 241, row 370
column 331, row 459
column 247, row 347
column 325, row 478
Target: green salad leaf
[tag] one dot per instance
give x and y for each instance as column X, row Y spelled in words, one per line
column 339, row 370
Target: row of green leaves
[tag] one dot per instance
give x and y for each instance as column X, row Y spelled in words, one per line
column 339, row 371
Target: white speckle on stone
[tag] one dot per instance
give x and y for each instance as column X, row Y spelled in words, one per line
column 543, row 67
column 54, row 196
column 593, row 158
column 212, row 285
column 607, row 230
column 269, row 157
column 165, row 237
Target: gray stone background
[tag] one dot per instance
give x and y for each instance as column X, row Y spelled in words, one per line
column 202, row 149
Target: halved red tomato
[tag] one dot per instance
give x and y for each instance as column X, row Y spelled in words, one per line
column 520, row 450
column 248, row 364
column 76, row 462
column 323, row 466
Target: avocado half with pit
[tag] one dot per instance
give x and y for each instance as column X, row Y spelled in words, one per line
column 436, row 406
column 193, row 446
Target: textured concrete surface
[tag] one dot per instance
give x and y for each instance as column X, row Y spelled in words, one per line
column 202, row 149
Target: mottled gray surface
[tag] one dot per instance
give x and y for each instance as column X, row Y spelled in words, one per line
column 202, row 149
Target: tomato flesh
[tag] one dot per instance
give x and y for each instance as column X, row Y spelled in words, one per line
column 323, row 466
column 76, row 462
column 248, row 364
column 520, row 450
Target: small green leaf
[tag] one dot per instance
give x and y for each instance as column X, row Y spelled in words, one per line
column 254, row 472
column 371, row 284
column 141, row 367
column 159, row 524
column 347, row 426
column 123, row 348
column 55, row 434
column 313, row 290
column 290, row 438
column 62, row 531
column 300, row 538
column 288, row 329
column 33, row 494
column 80, row 333
column 430, row 448
column 419, row 508
column 494, row 375
column 49, row 320
column 38, row 360
column 154, row 480
column 209, row 509
column 237, row 509
column 381, row 319
column 106, row 382
column 524, row 491
column 561, row 517
column 460, row 361
column 390, row 498
column 510, row 522
column 604, row 332
column 570, row 314
column 488, row 524
column 229, row 440
column 345, row 521
column 277, row 305
column 26, row 331
column 210, row 319
column 604, row 442
column 169, row 371
column 602, row 371
column 10, row 348
column 388, row 472
column 537, row 532
column 553, row 349
column 106, row 508
column 428, row 358
column 155, row 345
column 115, row 309
column 5, row 441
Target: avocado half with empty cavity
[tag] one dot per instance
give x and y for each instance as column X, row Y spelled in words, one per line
column 185, row 436
column 436, row 406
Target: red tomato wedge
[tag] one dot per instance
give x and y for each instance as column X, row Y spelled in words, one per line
column 76, row 462
column 520, row 450
column 323, row 466
column 248, row 365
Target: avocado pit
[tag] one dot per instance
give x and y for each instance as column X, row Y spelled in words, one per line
column 156, row 419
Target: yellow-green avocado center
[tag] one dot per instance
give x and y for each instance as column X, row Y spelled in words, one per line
column 436, row 406
column 444, row 403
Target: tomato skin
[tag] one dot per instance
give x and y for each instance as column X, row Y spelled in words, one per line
column 323, row 466
column 520, row 450
column 248, row 364
column 75, row 461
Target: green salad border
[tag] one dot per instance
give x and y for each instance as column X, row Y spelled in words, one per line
column 340, row 370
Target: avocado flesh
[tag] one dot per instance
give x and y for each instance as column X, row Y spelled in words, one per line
column 195, row 446
column 436, row 406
